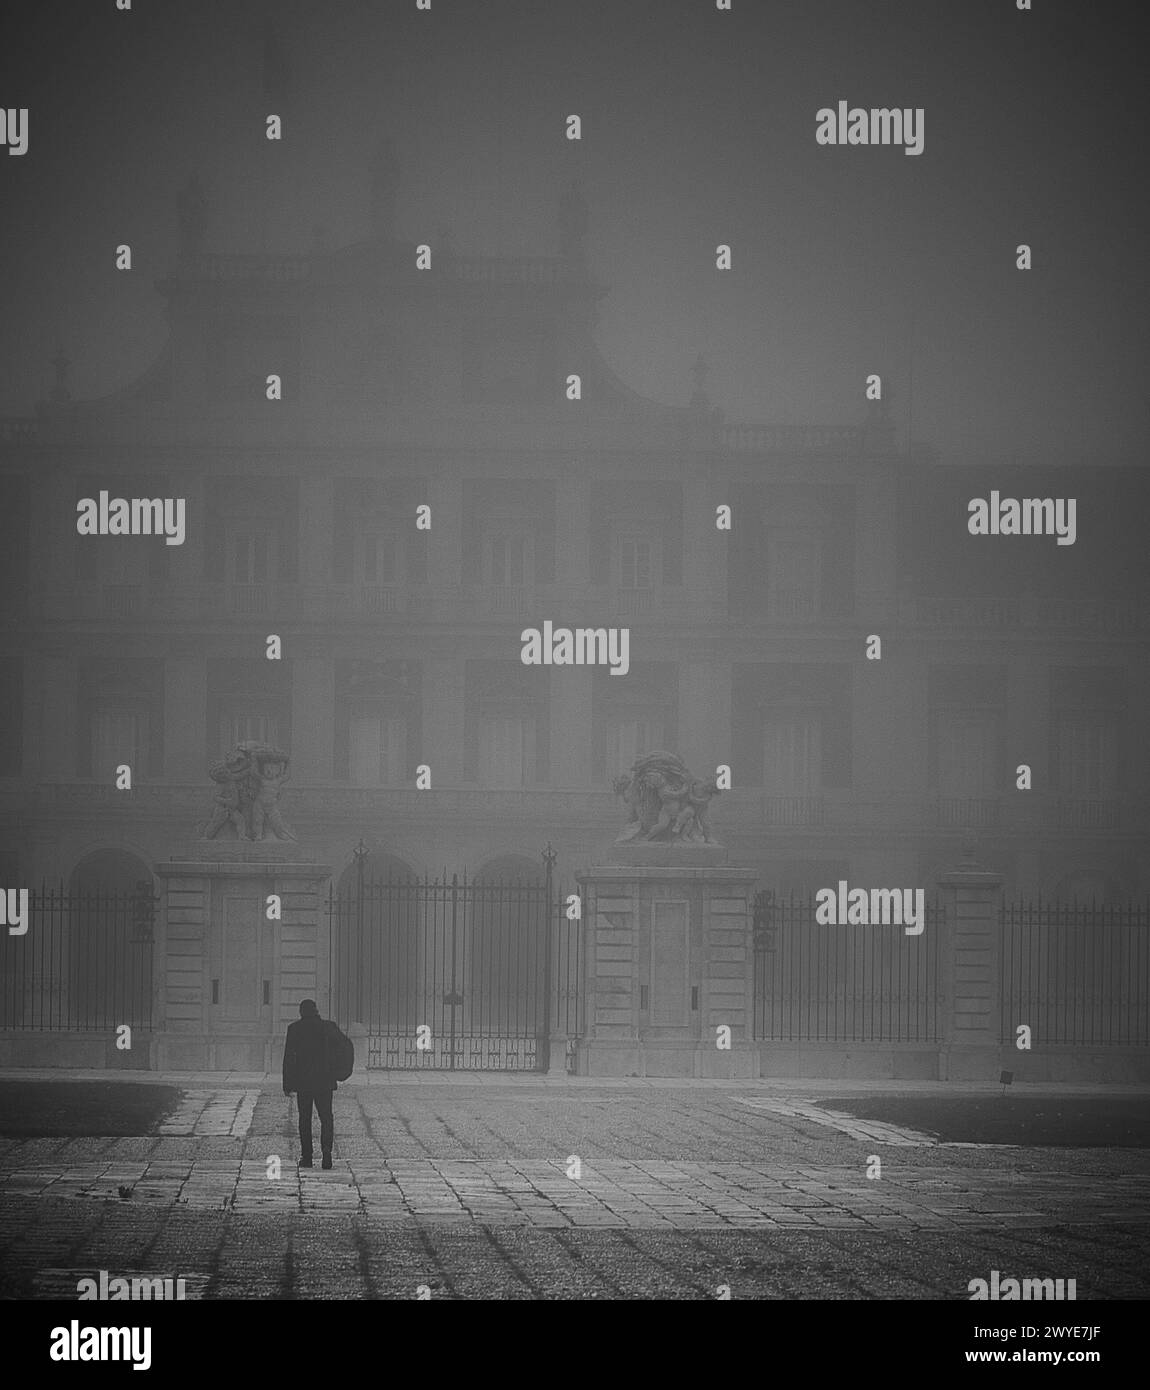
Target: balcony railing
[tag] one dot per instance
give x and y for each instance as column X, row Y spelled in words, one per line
column 512, row 270
column 739, row 815
column 807, row 812
column 514, row 601
column 788, row 438
column 791, row 606
column 1083, row 616
column 959, row 612
column 633, row 602
column 1107, row 616
column 1088, row 813
column 14, row 430
column 383, row 598
column 967, row 812
column 123, row 600
column 217, row 266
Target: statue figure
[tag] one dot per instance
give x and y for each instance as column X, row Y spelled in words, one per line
column 248, row 784
column 665, row 801
column 230, row 776
column 269, row 779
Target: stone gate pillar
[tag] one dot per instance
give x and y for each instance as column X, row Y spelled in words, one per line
column 970, row 972
column 229, row 977
column 668, row 963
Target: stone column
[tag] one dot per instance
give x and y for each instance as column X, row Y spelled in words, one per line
column 56, row 718
column 1028, row 741
column 705, row 720
column 315, row 525
column 444, row 569
column 970, row 973
column 443, row 719
column 669, row 964
column 312, row 720
column 570, row 725
column 316, row 503
column 890, row 745
column 875, row 548
column 186, row 562
column 572, row 543
column 186, row 754
column 706, row 550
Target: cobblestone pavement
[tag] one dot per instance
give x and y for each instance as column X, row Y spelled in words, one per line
column 475, row 1191
column 645, row 1194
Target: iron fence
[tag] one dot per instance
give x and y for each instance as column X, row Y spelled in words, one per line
column 1075, row 972
column 84, row 963
column 822, row 983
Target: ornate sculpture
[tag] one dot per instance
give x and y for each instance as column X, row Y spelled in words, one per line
column 666, row 803
column 248, row 785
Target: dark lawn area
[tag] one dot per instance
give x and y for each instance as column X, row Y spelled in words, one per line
column 1069, row 1122
column 77, row 1109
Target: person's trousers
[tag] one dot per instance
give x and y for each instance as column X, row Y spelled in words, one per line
column 322, row 1102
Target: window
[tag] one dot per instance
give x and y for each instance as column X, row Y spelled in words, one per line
column 967, row 753
column 1087, row 755
column 510, row 561
column 792, row 756
column 122, row 560
column 635, row 563
column 628, row 739
column 250, row 556
column 377, row 750
column 381, row 559
column 793, row 566
column 248, row 725
column 506, row 751
column 119, row 734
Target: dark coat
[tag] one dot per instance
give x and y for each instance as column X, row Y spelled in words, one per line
column 306, row 1065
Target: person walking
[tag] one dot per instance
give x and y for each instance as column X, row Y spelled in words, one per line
column 308, row 1072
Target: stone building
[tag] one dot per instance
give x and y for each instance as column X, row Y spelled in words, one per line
column 401, row 647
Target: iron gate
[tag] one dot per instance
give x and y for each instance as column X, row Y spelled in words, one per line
column 450, row 972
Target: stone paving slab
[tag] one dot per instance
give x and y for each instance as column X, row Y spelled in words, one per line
column 463, row 1189
column 515, row 1081
column 45, row 1248
column 874, row 1131
column 213, row 1111
column 609, row 1192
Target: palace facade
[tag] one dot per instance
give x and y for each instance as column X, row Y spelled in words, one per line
column 447, row 388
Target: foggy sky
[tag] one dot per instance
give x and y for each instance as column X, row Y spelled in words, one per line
column 698, row 128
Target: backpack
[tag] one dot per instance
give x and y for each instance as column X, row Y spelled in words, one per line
column 340, row 1052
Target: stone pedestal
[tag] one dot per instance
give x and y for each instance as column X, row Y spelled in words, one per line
column 230, row 977
column 669, row 963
